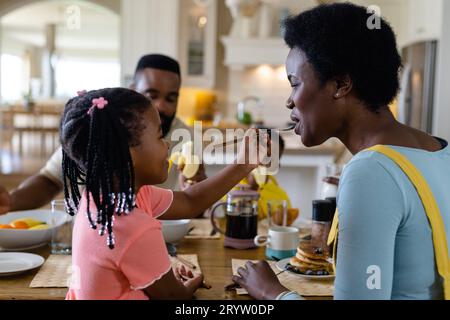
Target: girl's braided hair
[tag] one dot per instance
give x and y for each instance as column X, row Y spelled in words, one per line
column 96, row 153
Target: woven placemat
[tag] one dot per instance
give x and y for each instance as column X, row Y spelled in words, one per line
column 190, row 258
column 55, row 273
column 57, row 270
column 202, row 229
column 304, row 287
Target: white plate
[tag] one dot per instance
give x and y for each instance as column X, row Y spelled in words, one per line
column 15, row 263
column 281, row 265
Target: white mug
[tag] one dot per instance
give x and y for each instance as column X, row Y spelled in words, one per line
column 280, row 243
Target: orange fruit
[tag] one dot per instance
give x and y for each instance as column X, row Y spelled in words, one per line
column 292, row 215
column 20, row 225
column 277, row 216
column 5, row 226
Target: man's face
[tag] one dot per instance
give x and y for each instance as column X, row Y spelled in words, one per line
column 163, row 89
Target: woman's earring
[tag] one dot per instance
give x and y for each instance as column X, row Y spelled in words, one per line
column 337, row 95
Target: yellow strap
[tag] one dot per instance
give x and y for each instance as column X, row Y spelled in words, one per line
column 333, row 237
column 334, row 228
column 431, row 209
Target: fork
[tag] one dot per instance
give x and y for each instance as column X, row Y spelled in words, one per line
column 173, row 253
column 237, row 140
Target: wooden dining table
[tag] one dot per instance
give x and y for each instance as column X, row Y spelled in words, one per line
column 214, row 259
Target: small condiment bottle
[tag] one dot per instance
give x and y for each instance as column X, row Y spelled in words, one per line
column 323, row 211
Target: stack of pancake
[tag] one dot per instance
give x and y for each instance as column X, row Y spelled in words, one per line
column 311, row 260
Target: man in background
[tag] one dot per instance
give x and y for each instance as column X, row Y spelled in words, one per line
column 158, row 77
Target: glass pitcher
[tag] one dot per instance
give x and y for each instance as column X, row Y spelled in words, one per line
column 241, row 211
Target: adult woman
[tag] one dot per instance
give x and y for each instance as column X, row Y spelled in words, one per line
column 343, row 76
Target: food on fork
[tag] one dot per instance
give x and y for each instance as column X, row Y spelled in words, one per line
column 188, row 163
column 260, row 174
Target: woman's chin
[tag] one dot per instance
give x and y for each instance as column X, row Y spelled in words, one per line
column 307, row 141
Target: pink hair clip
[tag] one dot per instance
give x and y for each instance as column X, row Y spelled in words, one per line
column 81, row 93
column 99, row 103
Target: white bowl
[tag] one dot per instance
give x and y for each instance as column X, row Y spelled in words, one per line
column 174, row 231
column 20, row 240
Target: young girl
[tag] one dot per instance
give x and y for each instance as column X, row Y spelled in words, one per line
column 113, row 145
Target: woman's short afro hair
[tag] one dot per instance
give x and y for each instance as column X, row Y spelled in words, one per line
column 338, row 39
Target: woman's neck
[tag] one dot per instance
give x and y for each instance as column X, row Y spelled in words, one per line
column 364, row 128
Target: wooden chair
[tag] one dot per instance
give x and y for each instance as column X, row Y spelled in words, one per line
column 34, row 125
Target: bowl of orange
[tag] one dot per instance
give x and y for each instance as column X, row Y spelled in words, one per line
column 26, row 230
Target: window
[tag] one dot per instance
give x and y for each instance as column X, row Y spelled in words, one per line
column 73, row 75
column 13, row 86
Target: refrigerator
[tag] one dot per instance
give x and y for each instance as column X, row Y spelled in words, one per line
column 417, row 87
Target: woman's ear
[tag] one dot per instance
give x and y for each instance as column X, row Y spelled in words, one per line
column 344, row 86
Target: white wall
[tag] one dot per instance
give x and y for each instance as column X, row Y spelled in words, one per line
column 269, row 83
column 148, row 26
column 442, row 104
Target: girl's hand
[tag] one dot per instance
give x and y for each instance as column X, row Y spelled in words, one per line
column 259, row 280
column 254, row 149
column 5, row 201
column 187, row 183
column 190, row 280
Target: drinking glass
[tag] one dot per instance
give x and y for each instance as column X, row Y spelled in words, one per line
column 277, row 213
column 62, row 236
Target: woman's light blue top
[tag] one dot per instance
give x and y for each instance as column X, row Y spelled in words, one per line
column 385, row 246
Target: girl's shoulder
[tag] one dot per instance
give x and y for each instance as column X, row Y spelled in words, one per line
column 127, row 228
column 154, row 201
column 137, row 219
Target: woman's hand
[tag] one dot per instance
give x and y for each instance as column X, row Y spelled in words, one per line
column 5, row 201
column 259, row 280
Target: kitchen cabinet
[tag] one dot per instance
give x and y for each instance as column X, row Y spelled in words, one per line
column 183, row 29
column 198, row 37
column 412, row 20
column 424, row 20
column 148, row 26
column 241, row 53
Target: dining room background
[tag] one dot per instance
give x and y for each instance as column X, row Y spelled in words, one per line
column 231, row 52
